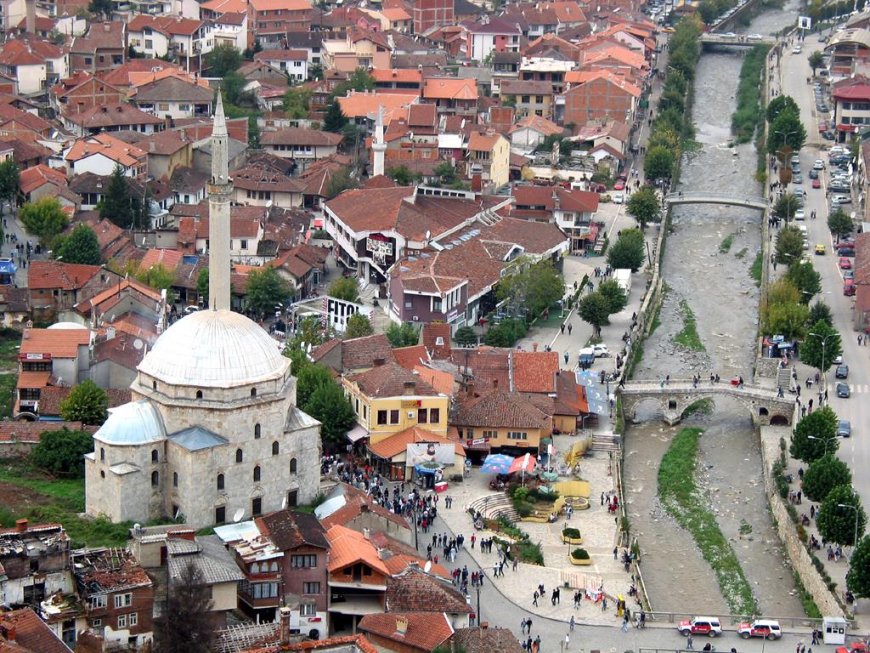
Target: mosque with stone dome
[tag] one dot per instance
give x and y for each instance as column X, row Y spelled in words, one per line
column 212, row 433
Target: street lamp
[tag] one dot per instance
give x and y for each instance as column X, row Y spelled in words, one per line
column 824, row 344
column 825, row 440
column 857, row 515
column 785, row 136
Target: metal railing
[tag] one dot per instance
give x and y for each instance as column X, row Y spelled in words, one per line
column 785, row 622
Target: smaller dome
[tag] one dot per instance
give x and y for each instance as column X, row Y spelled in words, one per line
column 137, row 422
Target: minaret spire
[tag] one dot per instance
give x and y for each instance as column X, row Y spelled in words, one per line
column 219, row 195
column 379, row 146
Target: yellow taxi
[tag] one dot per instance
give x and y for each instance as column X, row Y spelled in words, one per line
column 820, row 249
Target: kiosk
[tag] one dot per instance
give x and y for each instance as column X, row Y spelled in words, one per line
column 834, row 630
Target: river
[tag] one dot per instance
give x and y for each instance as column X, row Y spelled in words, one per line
column 719, row 290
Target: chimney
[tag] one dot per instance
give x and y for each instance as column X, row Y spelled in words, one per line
column 401, row 626
column 30, row 16
column 285, row 624
column 7, row 632
column 110, row 333
column 410, row 387
column 21, row 525
column 534, row 346
column 469, row 389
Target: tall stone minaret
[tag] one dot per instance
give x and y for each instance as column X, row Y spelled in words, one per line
column 378, row 145
column 220, row 191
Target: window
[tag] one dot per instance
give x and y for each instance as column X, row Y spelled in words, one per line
column 292, row 498
column 253, row 392
column 133, row 619
column 244, row 244
column 184, row 107
column 98, row 601
column 155, row 457
column 382, row 417
column 422, row 415
column 311, row 588
column 123, row 600
column 264, row 590
column 174, row 479
column 155, row 479
column 275, row 448
column 256, row 431
column 163, row 106
column 308, row 561
column 436, row 304
column 307, row 610
column 89, row 61
column 257, row 474
column 220, row 481
column 489, row 435
column 517, row 435
column 220, row 514
column 239, row 456
column 102, row 454
column 292, row 465
column 394, row 417
column 122, row 621
column 356, row 406
column 96, row 623
column 199, row 394
column 256, row 506
column 434, row 415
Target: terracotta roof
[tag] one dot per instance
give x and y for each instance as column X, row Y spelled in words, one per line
column 30, row 632
column 289, row 530
column 363, row 105
column 479, row 142
column 33, row 379
column 164, row 143
column 581, row 77
column 51, row 396
column 258, row 177
column 500, row 409
column 168, row 25
column 25, row 118
column 168, row 258
column 45, row 275
column 443, row 382
column 398, row 442
column 450, row 88
column 356, row 502
column 28, row 51
column 425, row 630
column 120, row 76
column 379, row 181
column 389, row 380
column 358, row 353
column 410, row 357
column 299, row 136
column 862, row 260
column 404, row 75
column 100, row 36
column 615, row 51
column 538, row 124
column 281, row 55
column 226, row 6
column 342, row 642
column 535, row 371
column 348, row 546
column 29, row 432
column 60, row 343
column 112, row 115
column 285, row 5
column 109, row 146
column 416, row 591
column 436, row 337
column 32, row 178
column 490, row 640
column 546, row 197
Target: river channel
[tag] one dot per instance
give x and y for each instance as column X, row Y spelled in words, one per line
column 721, row 294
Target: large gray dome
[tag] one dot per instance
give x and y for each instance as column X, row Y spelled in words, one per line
column 215, row 349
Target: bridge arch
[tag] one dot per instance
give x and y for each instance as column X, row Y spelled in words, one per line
column 745, row 201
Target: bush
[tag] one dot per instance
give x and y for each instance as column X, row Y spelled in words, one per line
column 580, row 554
column 61, row 452
column 571, row 533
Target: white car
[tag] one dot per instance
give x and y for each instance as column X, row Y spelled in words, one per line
column 841, row 199
column 819, row 165
column 796, row 49
column 600, row 351
column 618, row 197
column 800, row 214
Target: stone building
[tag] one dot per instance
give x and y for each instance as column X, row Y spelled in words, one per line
column 212, row 433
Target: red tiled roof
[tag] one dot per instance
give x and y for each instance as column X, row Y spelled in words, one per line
column 410, row 357
column 535, row 371
column 30, row 632
column 49, row 275
column 416, row 591
column 348, row 546
column 443, row 382
column 389, row 380
column 398, row 442
column 32, row 178
column 426, row 630
column 356, row 501
column 60, row 343
column 29, row 432
column 436, row 338
column 500, row 409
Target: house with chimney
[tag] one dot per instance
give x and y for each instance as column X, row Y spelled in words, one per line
column 120, row 116
column 22, row 631
column 102, row 48
column 175, row 97
column 573, row 211
column 302, row 146
column 33, row 63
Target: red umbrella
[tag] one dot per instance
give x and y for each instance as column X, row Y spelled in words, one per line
column 523, row 464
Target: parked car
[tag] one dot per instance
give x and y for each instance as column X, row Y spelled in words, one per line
column 844, row 429
column 796, row 49
column 600, row 351
column 813, row 173
column 799, row 214
column 816, row 182
column 845, row 264
column 619, row 185
column 767, row 628
column 842, row 371
column 818, row 164
column 820, row 248
column 843, row 390
column 841, row 199
column 849, row 288
column 848, row 274
column 709, row 626
column 618, row 197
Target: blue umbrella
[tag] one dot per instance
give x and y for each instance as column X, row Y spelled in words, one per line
column 497, row 463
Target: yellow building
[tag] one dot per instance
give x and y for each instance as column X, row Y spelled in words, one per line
column 490, row 156
column 503, row 420
column 388, row 399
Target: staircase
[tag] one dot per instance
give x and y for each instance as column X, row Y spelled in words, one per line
column 606, row 442
column 783, row 378
column 493, row 506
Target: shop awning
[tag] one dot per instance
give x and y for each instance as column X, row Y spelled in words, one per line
column 357, row 433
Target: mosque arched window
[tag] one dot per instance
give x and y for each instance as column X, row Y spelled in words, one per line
column 275, row 448
column 155, row 479
column 220, row 481
column 257, row 474
column 239, row 456
column 292, row 465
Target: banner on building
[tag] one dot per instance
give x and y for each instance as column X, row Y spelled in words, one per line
column 421, row 453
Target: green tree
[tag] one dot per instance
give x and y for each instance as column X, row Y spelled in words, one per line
column 202, row 284
column 837, row 516
column 10, row 182
column 644, row 206
column 297, row 102
column 81, row 246
column 360, row 80
column 446, row 172
column 159, row 277
column 233, row 88
column 61, row 452
column 505, row 333
column 708, row 11
column 805, row 278
column 821, row 424
column 823, row 475
column 315, row 71
column 658, row 163
column 402, row 335
column 594, row 309
column 44, row 219
column 118, row 204
column 310, row 377
column 820, row 311
column 787, row 319
column 822, row 342
column 339, row 182
column 101, row 8
column 786, row 206
column 839, row 223
column 223, row 60
column 333, row 410
column 86, row 403
column 788, row 130
column 614, row 294
column 779, row 104
column 627, row 251
column 858, row 576
column 402, row 175
column 334, row 120
column 536, row 288
column 789, row 245
column 465, row 336
column 345, row 288
column 816, row 60
column 266, row 289
column 358, row 326
column 184, row 625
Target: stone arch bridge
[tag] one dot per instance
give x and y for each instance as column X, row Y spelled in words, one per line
column 764, row 405
column 757, row 203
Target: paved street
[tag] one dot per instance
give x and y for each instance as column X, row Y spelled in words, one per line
column 856, row 450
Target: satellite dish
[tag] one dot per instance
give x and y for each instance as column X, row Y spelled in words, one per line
column 138, row 344
column 237, row 516
column 428, row 566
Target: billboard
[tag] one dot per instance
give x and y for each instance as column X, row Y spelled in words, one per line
column 427, row 453
column 805, row 22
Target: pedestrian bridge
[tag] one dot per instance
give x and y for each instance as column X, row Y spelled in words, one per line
column 711, row 38
column 758, row 203
column 764, row 405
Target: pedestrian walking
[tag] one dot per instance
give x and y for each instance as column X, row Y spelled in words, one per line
column 571, row 623
column 570, row 328
column 625, row 623
column 535, row 599
column 690, row 643
column 567, row 640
